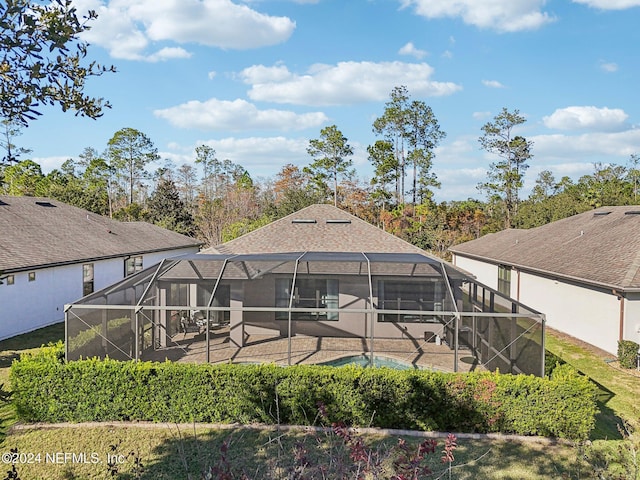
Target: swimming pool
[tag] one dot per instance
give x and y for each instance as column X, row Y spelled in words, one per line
column 363, row 361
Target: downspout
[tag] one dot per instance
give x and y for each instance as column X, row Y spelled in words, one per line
column 621, row 300
column 518, row 286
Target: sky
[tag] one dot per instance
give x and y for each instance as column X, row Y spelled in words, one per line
column 257, row 79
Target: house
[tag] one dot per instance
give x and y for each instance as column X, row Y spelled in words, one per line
column 582, row 271
column 52, row 253
column 319, row 273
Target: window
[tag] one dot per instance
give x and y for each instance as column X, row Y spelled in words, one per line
column 222, row 299
column 32, row 276
column 87, row 279
column 418, row 295
column 10, row 280
column 132, row 265
column 317, row 293
column 504, row 280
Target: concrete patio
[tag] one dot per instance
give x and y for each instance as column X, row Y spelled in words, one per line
column 192, row 348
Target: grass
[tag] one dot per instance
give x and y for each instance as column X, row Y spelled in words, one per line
column 619, row 388
column 167, row 452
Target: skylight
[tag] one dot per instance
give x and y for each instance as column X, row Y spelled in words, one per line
column 338, row 220
column 304, row 220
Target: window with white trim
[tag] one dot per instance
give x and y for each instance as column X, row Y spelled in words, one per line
column 504, row 280
column 132, row 265
column 87, row 279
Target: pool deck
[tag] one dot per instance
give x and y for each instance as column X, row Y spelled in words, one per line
column 191, row 348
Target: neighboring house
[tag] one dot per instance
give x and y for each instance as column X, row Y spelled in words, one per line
column 52, row 253
column 583, row 272
column 319, row 272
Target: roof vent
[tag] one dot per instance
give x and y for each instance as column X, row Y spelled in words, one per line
column 601, row 214
column 338, row 220
column 303, row 220
column 632, row 212
column 45, row 204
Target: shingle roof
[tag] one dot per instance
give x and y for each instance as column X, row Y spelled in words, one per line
column 595, row 247
column 36, row 232
column 317, row 228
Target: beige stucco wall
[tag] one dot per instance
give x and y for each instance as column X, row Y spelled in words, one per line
column 354, row 293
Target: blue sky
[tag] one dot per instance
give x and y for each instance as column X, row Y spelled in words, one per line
column 257, row 79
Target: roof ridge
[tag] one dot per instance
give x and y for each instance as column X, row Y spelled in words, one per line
column 278, row 220
column 632, row 271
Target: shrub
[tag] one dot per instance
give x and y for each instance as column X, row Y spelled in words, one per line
column 628, row 353
column 49, row 390
column 551, row 362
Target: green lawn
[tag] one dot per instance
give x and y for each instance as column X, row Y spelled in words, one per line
column 619, row 388
column 169, row 453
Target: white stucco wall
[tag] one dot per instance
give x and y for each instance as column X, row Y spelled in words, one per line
column 632, row 317
column 588, row 314
column 26, row 306
column 582, row 312
column 485, row 273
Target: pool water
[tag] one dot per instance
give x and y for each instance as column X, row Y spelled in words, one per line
column 363, row 361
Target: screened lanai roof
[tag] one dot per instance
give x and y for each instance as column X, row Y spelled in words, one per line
column 211, row 268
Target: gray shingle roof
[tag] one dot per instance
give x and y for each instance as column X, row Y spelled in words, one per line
column 595, row 247
column 317, row 228
column 36, row 232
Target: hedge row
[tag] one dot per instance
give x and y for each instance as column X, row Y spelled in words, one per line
column 628, row 353
column 49, row 390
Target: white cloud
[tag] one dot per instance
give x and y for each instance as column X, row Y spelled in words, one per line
column 47, row 164
column 410, row 49
column 168, row 53
column 492, row 84
column 481, row 115
column 609, row 4
column 587, row 118
column 500, row 15
column 128, row 27
column 236, row 115
column 341, row 84
column 609, row 67
column 211, row 75
column 601, row 146
column 268, row 152
column 260, row 74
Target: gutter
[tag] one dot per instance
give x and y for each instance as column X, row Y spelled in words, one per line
column 93, row 259
column 525, row 268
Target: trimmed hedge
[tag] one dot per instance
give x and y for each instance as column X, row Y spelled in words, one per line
column 628, row 353
column 49, row 390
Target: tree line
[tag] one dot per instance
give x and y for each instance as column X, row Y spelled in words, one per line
column 217, row 200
